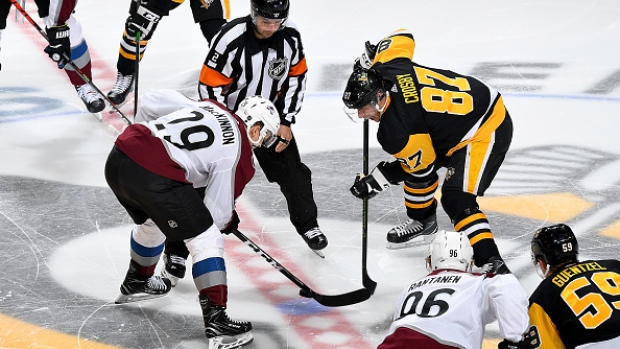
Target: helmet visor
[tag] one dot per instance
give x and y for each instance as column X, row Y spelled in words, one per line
column 352, row 110
column 269, row 22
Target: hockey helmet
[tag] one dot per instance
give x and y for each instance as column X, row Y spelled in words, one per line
column 555, row 245
column 450, row 250
column 256, row 109
column 362, row 88
column 271, row 9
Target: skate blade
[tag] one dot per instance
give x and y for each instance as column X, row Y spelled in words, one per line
column 230, row 342
column 417, row 241
column 99, row 116
column 118, row 107
column 319, row 253
column 136, row 297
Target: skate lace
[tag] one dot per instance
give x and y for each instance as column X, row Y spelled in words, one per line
column 87, row 93
column 218, row 319
column 156, row 283
column 234, row 322
column 409, row 227
column 314, row 232
column 122, row 83
column 177, row 260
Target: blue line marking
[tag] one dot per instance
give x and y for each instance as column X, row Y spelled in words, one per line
column 301, row 307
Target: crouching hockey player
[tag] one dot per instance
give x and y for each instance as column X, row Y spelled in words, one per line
column 178, row 174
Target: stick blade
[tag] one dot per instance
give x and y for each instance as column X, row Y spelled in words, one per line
column 344, row 299
column 369, row 284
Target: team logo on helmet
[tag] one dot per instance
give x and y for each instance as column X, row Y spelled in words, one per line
column 206, row 3
column 278, row 68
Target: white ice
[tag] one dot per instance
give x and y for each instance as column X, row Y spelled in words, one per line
column 575, row 44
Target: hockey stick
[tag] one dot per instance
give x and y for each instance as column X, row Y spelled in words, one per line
column 368, row 283
column 68, row 59
column 135, row 81
column 349, row 298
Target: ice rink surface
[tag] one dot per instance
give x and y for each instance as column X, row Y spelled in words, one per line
column 64, row 240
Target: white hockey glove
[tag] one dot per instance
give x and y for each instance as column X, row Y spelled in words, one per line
column 144, row 21
column 370, row 185
column 367, row 57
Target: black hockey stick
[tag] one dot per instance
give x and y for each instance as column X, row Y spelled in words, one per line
column 135, row 81
column 68, row 59
column 349, row 298
column 368, row 283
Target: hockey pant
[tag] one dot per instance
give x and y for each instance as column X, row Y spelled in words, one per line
column 178, row 213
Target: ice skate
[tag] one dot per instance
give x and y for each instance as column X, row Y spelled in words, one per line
column 122, row 87
column 316, row 240
column 221, row 331
column 174, row 268
column 412, row 233
column 91, row 99
column 135, row 288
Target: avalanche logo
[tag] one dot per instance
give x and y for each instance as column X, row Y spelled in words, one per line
column 277, row 68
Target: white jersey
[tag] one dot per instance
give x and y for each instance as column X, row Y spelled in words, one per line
column 453, row 307
column 206, row 140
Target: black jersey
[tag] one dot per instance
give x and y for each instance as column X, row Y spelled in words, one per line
column 431, row 112
column 578, row 304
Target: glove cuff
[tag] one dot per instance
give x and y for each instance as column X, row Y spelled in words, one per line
column 58, row 33
column 380, row 182
column 152, row 15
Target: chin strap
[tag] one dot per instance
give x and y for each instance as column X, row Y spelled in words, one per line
column 382, row 109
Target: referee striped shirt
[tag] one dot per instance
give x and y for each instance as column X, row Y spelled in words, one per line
column 239, row 65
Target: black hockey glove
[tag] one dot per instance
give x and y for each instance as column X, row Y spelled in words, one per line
column 531, row 340
column 370, row 185
column 506, row 344
column 233, row 224
column 59, row 48
column 366, row 58
column 144, row 21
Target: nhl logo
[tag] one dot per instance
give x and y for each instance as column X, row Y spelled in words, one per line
column 172, row 224
column 277, row 68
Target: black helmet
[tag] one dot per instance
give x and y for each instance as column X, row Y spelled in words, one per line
column 555, row 245
column 362, row 88
column 272, row 9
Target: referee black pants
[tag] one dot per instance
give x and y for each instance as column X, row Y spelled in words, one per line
column 295, row 181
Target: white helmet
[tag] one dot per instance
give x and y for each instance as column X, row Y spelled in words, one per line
column 258, row 109
column 450, row 250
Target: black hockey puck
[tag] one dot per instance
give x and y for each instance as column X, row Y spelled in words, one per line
column 305, row 293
